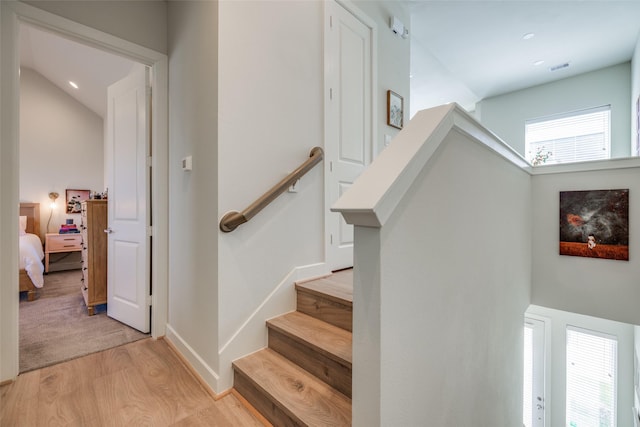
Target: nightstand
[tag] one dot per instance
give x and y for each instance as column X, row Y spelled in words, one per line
column 58, row 243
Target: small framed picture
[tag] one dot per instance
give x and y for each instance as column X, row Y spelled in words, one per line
column 74, row 200
column 395, row 109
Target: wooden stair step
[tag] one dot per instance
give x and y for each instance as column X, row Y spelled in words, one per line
column 286, row 394
column 329, row 299
column 320, row 348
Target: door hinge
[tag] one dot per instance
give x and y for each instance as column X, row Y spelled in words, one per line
column 330, row 93
column 149, row 161
column 150, row 231
column 330, row 21
column 331, row 166
column 149, row 300
column 331, row 239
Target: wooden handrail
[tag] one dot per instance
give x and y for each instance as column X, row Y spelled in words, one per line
column 233, row 219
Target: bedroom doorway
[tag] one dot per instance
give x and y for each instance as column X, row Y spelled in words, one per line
column 12, row 14
column 69, row 123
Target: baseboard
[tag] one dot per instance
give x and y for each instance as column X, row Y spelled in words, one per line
column 203, row 372
column 251, row 336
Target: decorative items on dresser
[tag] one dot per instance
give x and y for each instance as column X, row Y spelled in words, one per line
column 94, row 253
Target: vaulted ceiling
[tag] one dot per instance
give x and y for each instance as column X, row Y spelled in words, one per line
column 465, row 51
column 62, row 60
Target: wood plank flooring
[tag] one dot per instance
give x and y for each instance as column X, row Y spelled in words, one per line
column 139, row 384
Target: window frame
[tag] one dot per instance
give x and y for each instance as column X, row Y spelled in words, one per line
column 568, row 139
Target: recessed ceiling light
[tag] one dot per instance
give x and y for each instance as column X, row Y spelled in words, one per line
column 73, row 84
column 538, row 63
column 528, row 36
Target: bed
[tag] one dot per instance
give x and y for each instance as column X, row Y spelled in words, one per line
column 31, row 253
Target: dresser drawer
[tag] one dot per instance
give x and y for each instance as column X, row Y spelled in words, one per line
column 64, row 242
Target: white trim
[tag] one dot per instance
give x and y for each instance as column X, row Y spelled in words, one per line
column 350, row 7
column 209, row 376
column 547, row 362
column 251, row 336
column 11, row 14
column 375, row 195
column 9, row 188
column 590, row 166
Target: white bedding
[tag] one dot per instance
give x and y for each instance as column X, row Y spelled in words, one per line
column 31, row 255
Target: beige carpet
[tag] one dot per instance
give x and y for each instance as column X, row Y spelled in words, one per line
column 56, row 327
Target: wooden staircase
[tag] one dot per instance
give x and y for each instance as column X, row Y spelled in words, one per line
column 304, row 377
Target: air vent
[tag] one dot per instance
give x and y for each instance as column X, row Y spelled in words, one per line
column 559, row 67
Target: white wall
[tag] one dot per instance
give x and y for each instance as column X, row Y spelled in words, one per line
column 635, row 96
column 143, row 22
column 455, row 265
column 393, row 61
column 61, row 146
column 442, row 277
column 271, row 86
column 193, row 235
column 271, row 115
column 596, row 287
column 505, row 115
column 556, row 326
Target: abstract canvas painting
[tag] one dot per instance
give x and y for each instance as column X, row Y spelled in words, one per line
column 595, row 224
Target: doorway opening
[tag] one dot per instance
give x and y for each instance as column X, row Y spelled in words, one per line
column 63, row 130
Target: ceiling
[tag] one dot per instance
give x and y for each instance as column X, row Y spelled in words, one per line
column 465, row 51
column 461, row 51
column 62, row 60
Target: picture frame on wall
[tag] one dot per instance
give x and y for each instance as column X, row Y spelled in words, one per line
column 595, row 224
column 74, row 198
column 395, row 110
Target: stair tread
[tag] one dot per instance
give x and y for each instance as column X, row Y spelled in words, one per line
column 330, row 340
column 338, row 287
column 299, row 394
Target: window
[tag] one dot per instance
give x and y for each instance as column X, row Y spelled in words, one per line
column 591, row 378
column 571, row 137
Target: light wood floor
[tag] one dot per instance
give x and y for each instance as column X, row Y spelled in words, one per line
column 139, row 384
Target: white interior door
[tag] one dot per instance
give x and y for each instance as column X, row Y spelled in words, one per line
column 348, row 143
column 127, row 154
column 534, row 373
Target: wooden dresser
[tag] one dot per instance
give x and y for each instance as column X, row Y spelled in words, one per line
column 94, row 253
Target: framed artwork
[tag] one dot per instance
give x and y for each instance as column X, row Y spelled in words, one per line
column 74, row 198
column 395, row 109
column 595, row 224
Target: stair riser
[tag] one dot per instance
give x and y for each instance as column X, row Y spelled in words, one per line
column 330, row 371
column 324, row 309
column 262, row 402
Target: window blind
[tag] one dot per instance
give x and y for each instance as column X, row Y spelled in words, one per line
column 591, row 378
column 569, row 137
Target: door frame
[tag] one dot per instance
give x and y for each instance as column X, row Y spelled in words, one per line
column 330, row 53
column 545, row 323
column 11, row 15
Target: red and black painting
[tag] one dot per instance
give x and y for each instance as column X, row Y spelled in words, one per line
column 595, row 224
